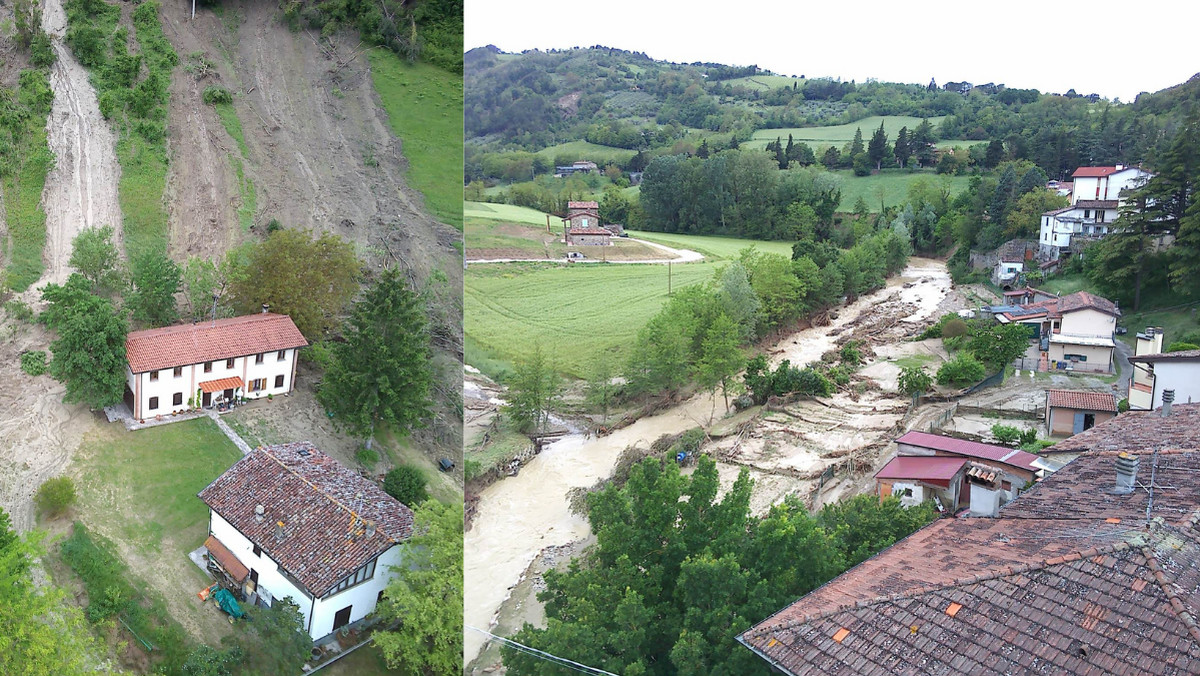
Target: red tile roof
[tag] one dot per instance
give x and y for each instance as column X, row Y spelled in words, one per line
column 1080, row 300
column 921, row 468
column 971, row 449
column 185, row 344
column 221, row 384
column 1138, row 430
column 572, row 206
column 1070, row 579
column 590, row 231
column 1096, row 204
column 317, row 499
column 1094, row 172
column 1083, row 400
column 1168, row 356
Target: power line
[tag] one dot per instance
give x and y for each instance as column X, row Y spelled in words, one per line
column 540, row 654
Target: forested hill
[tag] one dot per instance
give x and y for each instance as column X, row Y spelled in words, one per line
column 621, row 99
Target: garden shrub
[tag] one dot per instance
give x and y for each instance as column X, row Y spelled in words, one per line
column 34, row 362
column 214, row 95
column 954, row 328
column 962, row 370
column 55, row 496
column 406, row 484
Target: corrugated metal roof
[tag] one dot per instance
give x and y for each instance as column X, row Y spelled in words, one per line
column 921, row 467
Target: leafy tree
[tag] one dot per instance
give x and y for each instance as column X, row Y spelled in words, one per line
column 614, row 206
column 738, row 299
column 381, row 373
column 55, row 496
column 832, row 158
column 878, row 149
column 1121, row 262
column 533, row 391
column 89, row 352
column 156, row 280
column 600, row 391
column 778, row 290
column 964, row 369
column 1006, row 434
column 425, row 595
column 996, row 345
column 208, row 661
column 864, row 524
column 95, row 256
column 856, row 144
column 406, row 484
column 310, row 280
column 1180, row 346
column 203, row 279
column 721, row 357
column 660, row 360
column 914, row 381
column 922, row 144
column 274, row 641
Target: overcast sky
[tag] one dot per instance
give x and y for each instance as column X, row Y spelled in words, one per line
column 1115, row 49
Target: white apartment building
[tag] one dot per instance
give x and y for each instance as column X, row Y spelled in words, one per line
column 1095, row 204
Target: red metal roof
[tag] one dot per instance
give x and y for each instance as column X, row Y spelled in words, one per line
column 921, row 468
column 970, row 449
column 185, row 344
column 1081, row 399
column 1095, row 172
column 322, row 506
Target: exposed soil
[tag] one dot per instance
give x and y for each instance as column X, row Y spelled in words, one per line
column 81, row 189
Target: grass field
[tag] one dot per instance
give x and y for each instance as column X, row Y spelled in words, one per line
column 424, row 106
column 956, row 143
column 763, row 82
column 713, row 248
column 574, row 313
column 582, row 150
column 894, row 183
column 841, row 134
column 505, row 212
column 26, row 221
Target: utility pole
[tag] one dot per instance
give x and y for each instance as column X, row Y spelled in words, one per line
column 668, row 278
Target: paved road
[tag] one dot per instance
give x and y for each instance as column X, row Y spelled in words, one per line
column 1122, row 358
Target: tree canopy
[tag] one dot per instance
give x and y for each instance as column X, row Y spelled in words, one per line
column 89, row 352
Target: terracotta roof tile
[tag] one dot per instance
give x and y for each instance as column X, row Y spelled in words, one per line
column 1096, row 204
column 1138, row 430
column 1093, row 172
column 590, row 206
column 590, row 231
column 316, row 498
column 171, row 346
column 1084, row 400
column 1182, row 355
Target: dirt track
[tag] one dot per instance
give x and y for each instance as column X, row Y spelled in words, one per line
column 81, row 189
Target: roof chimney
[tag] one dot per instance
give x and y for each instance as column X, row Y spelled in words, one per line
column 1127, row 467
column 1168, row 399
column 266, row 308
column 1120, row 167
column 259, row 513
column 279, row 531
column 370, row 528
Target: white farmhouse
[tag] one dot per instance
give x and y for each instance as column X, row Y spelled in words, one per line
column 1095, row 201
column 1075, row 332
column 1178, row 371
column 177, row 368
column 289, row 521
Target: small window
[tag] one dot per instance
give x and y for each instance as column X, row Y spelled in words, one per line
column 153, row 405
column 257, row 550
column 177, row 372
column 153, row 376
column 258, row 358
column 208, row 367
column 228, row 363
column 257, row 384
column 1087, row 213
column 281, row 355
column 278, row 381
column 177, row 399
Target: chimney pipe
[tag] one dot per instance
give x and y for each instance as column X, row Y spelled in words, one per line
column 1168, row 398
column 370, row 528
column 259, row 513
column 1127, row 468
column 266, row 308
column 279, row 531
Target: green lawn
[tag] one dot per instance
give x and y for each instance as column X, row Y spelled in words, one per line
column 366, row 661
column 582, row 150
column 894, row 183
column 839, row 135
column 954, row 143
column 424, row 106
column 1065, row 284
column 141, row 486
column 507, row 212
column 574, row 312
column 713, row 248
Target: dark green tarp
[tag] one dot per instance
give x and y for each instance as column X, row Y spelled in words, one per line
column 228, row 603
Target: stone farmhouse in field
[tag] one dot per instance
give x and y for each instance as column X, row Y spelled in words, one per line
column 178, row 368
column 582, row 226
column 289, row 521
column 1094, row 570
column 1095, row 201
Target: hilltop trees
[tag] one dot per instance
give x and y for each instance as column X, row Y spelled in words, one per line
column 380, row 373
column 878, row 149
column 156, row 279
column 89, row 352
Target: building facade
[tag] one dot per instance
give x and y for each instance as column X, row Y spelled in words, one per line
column 1095, row 204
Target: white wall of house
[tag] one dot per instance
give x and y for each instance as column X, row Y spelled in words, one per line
column 1089, row 358
column 167, row 385
column 1183, row 376
column 1088, row 322
column 1006, row 271
column 319, row 613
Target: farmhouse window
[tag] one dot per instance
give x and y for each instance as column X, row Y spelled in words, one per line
column 257, row 550
column 1087, row 213
column 228, row 363
column 258, row 358
column 177, row 399
column 153, row 376
column 281, row 355
column 1075, row 357
column 358, row 577
column 153, row 405
column 208, row 367
column 258, row 384
column 279, row 381
column 177, row 372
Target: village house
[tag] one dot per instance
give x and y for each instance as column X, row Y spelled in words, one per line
column 1095, row 203
column 289, row 521
column 1072, row 411
column 177, row 368
column 1091, row 571
column 1027, row 296
column 1018, row 467
column 580, row 167
column 1141, row 386
column 1171, row 371
column 1074, row 332
column 582, row 226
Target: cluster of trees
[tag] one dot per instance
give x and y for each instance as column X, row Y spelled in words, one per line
column 739, row 193
column 677, row 574
column 428, row 30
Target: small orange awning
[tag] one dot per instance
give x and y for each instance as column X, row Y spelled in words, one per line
column 228, row 561
column 220, row 384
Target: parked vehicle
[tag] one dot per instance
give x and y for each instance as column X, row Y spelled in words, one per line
column 574, row 255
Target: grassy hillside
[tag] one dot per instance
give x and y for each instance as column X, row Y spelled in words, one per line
column 841, row 134
column 714, row 248
column 582, row 149
column 424, row 106
column 894, row 183
column 504, row 212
